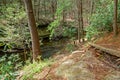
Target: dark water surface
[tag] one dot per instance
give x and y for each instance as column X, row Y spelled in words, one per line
column 50, row 48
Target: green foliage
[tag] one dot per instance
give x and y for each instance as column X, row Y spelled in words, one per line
column 53, row 26
column 62, row 6
column 70, row 32
column 91, row 31
column 70, row 47
column 2, row 31
column 7, row 45
column 31, row 69
column 8, row 67
column 101, row 19
column 13, row 24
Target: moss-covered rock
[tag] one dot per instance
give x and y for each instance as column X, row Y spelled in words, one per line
column 75, row 70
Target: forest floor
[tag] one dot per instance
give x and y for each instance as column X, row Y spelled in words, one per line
column 110, row 42
column 84, row 63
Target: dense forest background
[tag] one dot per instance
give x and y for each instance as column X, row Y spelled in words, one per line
column 82, row 20
column 97, row 18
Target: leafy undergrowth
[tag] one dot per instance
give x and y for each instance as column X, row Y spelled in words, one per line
column 9, row 64
column 31, row 69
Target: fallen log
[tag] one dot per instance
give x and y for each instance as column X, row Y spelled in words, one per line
column 107, row 50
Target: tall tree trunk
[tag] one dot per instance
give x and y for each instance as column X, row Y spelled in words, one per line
column 33, row 29
column 79, row 37
column 39, row 9
column 63, row 16
column 80, row 21
column 4, row 2
column 115, row 27
column 92, row 7
column 53, row 8
column 45, row 10
column 39, row 3
column 21, row 2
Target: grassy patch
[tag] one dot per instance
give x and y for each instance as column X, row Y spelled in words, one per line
column 31, row 69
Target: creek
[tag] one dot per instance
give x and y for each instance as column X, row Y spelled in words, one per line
column 50, row 48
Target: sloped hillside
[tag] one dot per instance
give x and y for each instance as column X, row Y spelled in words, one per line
column 82, row 64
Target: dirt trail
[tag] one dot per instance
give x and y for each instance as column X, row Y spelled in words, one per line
column 79, row 65
column 84, row 64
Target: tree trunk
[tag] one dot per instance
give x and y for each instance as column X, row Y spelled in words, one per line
column 107, row 50
column 4, row 2
column 92, row 7
column 63, row 17
column 80, row 20
column 45, row 10
column 53, row 8
column 115, row 27
column 79, row 37
column 33, row 29
column 39, row 9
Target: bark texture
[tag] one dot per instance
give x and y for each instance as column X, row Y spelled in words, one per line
column 80, row 20
column 33, row 29
column 115, row 27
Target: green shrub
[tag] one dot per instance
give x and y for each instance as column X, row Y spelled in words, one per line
column 101, row 19
column 70, row 47
column 9, row 66
column 58, row 23
column 12, row 20
column 70, row 32
column 91, row 31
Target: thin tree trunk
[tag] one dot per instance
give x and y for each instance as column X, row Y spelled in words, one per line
column 39, row 3
column 115, row 27
column 21, row 2
column 39, row 9
column 80, row 21
column 92, row 7
column 63, row 16
column 53, row 9
column 4, row 2
column 45, row 10
column 78, row 5
column 33, row 29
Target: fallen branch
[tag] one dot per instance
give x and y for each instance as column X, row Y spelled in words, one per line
column 107, row 50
